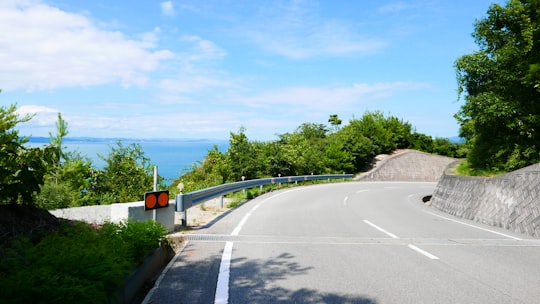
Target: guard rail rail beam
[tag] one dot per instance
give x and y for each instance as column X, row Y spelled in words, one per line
column 186, row 200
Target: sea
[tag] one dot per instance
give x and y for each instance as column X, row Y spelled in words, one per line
column 173, row 157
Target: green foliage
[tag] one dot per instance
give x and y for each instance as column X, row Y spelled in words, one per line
column 240, row 154
column 138, row 237
column 311, row 148
column 77, row 264
column 335, row 122
column 58, row 139
column 55, row 196
column 127, row 175
column 23, row 169
column 71, row 181
column 465, row 169
column 214, row 170
column 500, row 84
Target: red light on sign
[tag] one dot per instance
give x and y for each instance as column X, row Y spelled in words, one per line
column 155, row 200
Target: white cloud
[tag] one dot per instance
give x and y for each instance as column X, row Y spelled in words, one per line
column 43, row 47
column 396, row 7
column 175, row 124
column 295, row 30
column 167, row 9
column 328, row 99
column 42, row 116
column 202, row 49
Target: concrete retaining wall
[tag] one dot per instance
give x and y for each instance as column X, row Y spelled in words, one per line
column 118, row 212
column 410, row 165
column 511, row 201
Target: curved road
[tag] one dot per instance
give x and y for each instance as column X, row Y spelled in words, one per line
column 356, row 242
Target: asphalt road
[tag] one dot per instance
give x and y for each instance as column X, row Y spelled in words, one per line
column 355, row 242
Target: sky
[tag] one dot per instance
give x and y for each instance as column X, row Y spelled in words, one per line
column 187, row 69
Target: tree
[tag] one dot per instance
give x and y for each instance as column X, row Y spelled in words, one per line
column 23, row 168
column 241, row 156
column 70, row 182
column 359, row 146
column 335, row 122
column 58, row 139
column 501, row 87
column 338, row 159
column 126, row 176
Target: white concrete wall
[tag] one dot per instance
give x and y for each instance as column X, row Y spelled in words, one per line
column 118, row 212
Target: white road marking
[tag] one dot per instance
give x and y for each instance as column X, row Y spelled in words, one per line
column 222, row 288
column 360, row 191
column 244, row 220
column 238, row 227
column 423, row 252
column 473, row 226
column 381, row 230
column 345, row 200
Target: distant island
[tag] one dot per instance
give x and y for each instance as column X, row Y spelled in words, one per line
column 112, row 140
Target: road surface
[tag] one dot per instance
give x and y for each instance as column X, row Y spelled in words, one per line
column 355, row 242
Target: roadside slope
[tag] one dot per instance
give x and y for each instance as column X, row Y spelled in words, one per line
column 408, row 165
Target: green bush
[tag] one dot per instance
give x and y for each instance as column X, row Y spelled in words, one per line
column 79, row 264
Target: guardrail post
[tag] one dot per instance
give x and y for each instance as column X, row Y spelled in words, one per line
column 260, row 189
column 181, row 207
column 279, row 184
column 221, row 201
column 243, row 189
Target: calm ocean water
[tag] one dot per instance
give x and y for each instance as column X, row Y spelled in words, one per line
column 172, row 157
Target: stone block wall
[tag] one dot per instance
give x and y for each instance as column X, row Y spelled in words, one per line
column 411, row 166
column 510, row 201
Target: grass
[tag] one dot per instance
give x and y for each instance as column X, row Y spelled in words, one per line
column 465, row 169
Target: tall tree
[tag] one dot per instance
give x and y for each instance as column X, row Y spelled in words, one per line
column 241, row 156
column 501, row 87
column 22, row 168
column 127, row 174
column 57, row 140
column 335, row 122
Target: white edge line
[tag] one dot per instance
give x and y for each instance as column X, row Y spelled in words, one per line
column 381, row 230
column 473, row 226
column 423, row 252
column 150, row 294
column 238, row 227
column 222, row 288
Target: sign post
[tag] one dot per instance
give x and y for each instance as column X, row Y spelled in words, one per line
column 154, row 212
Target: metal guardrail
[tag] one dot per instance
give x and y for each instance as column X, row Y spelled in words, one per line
column 186, row 200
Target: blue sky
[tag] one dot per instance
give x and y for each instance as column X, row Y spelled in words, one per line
column 202, row 69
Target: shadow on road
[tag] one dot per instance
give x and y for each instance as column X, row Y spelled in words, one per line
column 255, row 281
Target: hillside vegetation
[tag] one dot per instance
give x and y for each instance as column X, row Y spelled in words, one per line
column 313, row 149
column 500, row 84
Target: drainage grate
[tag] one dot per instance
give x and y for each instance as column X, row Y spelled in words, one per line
column 209, row 237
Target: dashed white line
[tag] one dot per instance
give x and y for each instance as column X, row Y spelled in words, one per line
column 381, row 230
column 345, row 200
column 222, row 288
column 423, row 252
